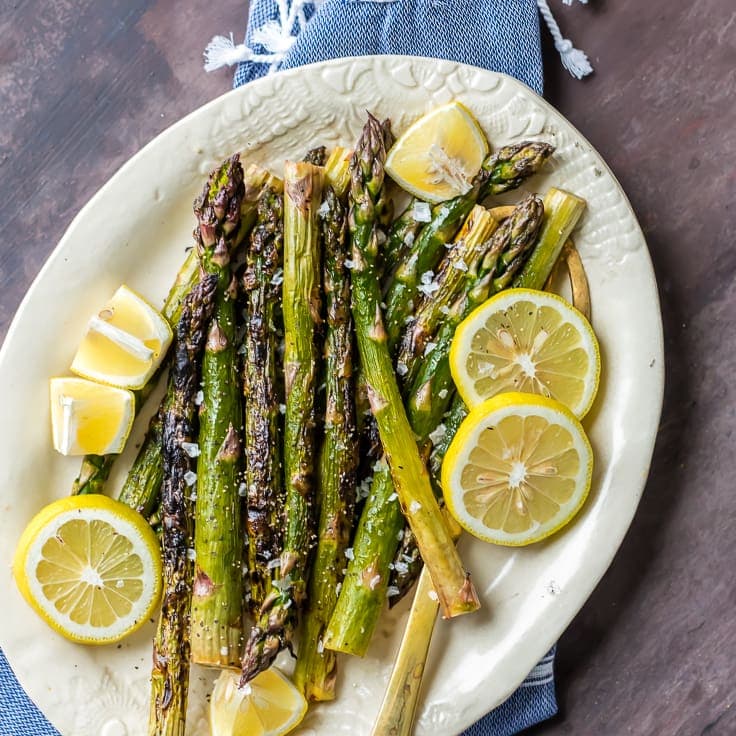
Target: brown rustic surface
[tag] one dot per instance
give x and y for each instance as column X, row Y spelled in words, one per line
column 84, row 84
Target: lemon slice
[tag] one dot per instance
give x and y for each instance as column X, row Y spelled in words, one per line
column 125, row 342
column 89, row 418
column 438, row 156
column 518, row 469
column 269, row 705
column 530, row 341
column 90, row 567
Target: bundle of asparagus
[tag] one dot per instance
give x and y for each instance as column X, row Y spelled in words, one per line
column 367, row 306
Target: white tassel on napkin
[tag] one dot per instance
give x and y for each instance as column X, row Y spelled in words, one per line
column 574, row 60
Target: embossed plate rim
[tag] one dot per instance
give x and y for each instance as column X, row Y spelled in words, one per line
column 497, row 651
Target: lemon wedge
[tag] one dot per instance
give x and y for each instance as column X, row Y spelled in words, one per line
column 518, row 469
column 269, row 705
column 89, row 418
column 90, row 567
column 124, row 343
column 530, row 341
column 438, row 156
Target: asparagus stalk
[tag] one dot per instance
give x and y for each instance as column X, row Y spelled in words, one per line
column 263, row 473
column 502, row 171
column 456, row 592
column 274, row 625
column 455, row 272
column 316, row 666
column 382, row 523
column 217, row 591
column 143, row 482
column 142, row 486
column 422, row 258
column 563, row 210
column 171, row 646
column 510, row 166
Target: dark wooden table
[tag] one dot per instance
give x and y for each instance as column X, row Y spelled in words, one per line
column 84, row 84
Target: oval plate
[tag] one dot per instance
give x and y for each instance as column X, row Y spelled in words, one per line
column 135, row 229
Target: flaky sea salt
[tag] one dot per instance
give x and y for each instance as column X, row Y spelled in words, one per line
column 402, row 369
column 427, row 286
column 392, row 591
column 414, row 506
column 422, row 212
column 429, row 347
column 199, row 398
column 190, row 478
column 438, row 434
column 364, row 488
column 191, row 448
column 442, row 393
column 349, row 553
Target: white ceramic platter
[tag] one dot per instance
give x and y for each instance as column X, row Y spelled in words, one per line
column 135, row 229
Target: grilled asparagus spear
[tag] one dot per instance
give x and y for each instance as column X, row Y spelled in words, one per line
column 263, row 471
column 410, row 477
column 455, row 272
column 274, row 625
column 316, row 666
column 171, row 646
column 218, row 586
